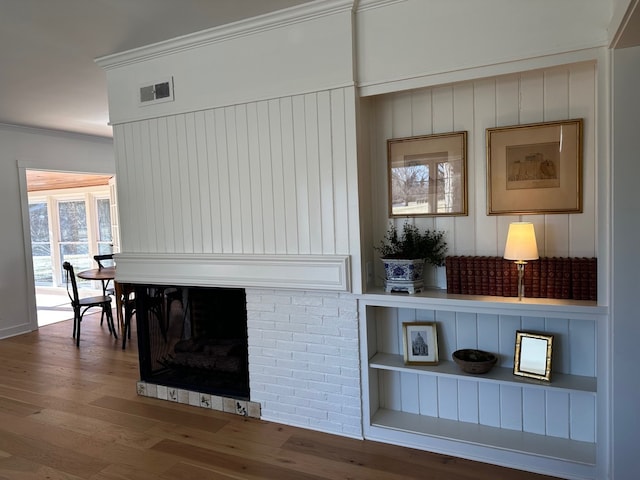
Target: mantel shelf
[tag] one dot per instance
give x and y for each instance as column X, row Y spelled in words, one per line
column 502, row 375
column 439, row 299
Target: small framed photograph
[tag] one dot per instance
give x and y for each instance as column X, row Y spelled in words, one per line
column 533, row 355
column 420, row 343
column 427, row 175
column 535, row 168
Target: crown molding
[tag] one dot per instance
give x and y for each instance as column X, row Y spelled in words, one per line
column 251, row 26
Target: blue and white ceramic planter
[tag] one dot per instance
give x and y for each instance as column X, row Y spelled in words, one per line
column 403, row 275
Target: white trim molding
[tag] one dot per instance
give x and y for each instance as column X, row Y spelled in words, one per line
column 307, row 272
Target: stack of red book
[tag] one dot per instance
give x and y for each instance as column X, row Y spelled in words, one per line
column 548, row 277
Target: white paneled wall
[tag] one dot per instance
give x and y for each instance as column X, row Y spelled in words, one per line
column 543, row 95
column 556, row 413
column 267, row 177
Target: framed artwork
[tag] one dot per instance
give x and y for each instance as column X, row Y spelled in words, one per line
column 533, row 355
column 535, row 168
column 427, row 175
column 420, row 343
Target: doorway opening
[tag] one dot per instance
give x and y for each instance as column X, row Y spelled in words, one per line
column 71, row 218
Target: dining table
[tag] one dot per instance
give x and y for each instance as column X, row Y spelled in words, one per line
column 106, row 275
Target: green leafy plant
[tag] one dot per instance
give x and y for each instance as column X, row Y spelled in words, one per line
column 412, row 243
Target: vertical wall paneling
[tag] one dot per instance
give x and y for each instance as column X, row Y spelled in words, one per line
column 325, row 167
column 561, row 349
column 510, row 407
column 236, row 184
column 277, row 177
column 245, row 177
column 583, row 345
column 313, row 172
column 489, row 404
column 255, row 172
column 533, row 410
column 488, row 333
column 428, row 393
column 341, row 206
column 583, row 411
column 508, row 327
column 266, row 181
column 177, row 218
column 409, row 392
column 468, row 401
column 155, row 171
column 184, row 185
column 484, row 108
column 466, row 331
column 581, row 84
column 305, row 209
column 164, row 166
column 557, row 414
column 447, row 393
column 199, row 202
column 289, row 186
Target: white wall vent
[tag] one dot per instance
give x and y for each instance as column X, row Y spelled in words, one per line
column 156, row 92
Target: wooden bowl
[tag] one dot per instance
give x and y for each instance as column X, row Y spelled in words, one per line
column 474, row 361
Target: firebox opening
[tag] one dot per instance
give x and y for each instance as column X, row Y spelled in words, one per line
column 194, row 338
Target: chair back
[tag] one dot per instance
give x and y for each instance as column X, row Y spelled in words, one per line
column 105, row 260
column 70, row 279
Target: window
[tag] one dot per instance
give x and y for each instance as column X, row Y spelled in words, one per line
column 68, row 225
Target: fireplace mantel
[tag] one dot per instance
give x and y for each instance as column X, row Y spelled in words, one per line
column 308, row 272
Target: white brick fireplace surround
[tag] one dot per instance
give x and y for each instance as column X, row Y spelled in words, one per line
column 304, row 366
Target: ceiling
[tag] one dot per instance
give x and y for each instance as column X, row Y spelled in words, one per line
column 48, row 77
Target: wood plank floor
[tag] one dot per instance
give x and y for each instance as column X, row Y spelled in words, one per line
column 73, row 413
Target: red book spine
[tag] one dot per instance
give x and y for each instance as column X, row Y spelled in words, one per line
column 498, row 263
column 477, row 274
column 544, row 275
column 534, row 291
column 453, row 274
column 593, row 279
column 448, row 266
column 584, row 278
column 510, row 275
column 565, row 281
column 464, row 276
column 551, row 277
column 471, row 276
column 576, row 278
column 528, row 279
column 484, row 275
column 491, row 275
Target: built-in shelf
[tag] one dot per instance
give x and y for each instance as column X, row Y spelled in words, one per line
column 519, row 428
column 480, row 435
column 387, row 361
column 439, row 299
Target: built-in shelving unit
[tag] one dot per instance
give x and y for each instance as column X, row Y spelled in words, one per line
column 547, row 427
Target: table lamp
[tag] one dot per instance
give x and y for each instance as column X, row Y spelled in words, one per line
column 521, row 246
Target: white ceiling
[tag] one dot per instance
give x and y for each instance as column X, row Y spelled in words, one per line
column 48, row 77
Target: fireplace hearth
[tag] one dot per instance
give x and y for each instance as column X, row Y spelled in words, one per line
column 194, row 338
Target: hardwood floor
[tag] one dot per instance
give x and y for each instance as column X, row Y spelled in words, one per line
column 73, row 413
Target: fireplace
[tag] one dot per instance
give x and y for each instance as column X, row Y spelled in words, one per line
column 194, row 338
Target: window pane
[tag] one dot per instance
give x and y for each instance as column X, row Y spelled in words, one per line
column 40, row 244
column 73, row 221
column 104, row 220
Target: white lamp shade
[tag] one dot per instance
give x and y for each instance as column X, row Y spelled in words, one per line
column 521, row 242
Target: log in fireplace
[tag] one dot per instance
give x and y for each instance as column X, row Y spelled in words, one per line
column 194, row 338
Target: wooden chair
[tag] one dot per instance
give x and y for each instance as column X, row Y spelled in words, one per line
column 128, row 300
column 81, row 305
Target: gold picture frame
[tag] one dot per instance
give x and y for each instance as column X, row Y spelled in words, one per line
column 533, row 354
column 427, row 175
column 420, row 341
column 535, row 168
